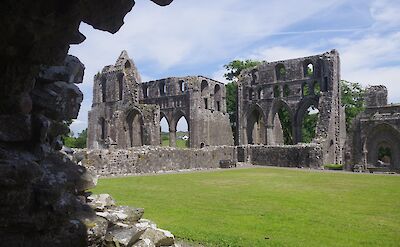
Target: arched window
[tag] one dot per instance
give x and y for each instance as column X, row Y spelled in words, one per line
column 280, row 71
column 309, row 124
column 217, row 97
column 204, row 93
column 128, row 65
column 317, row 88
column 145, row 91
column 256, row 127
column 135, row 127
column 308, row 68
column 163, row 88
column 182, row 132
column 181, row 86
column 204, row 88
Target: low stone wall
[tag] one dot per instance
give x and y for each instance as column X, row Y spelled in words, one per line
column 150, row 159
column 301, row 155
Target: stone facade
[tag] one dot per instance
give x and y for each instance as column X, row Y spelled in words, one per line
column 127, row 113
column 301, row 155
column 117, row 119
column 151, row 159
column 200, row 100
column 293, row 85
column 375, row 136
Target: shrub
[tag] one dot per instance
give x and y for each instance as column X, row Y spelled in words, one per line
column 333, row 167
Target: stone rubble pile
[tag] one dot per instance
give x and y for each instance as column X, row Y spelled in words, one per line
column 121, row 226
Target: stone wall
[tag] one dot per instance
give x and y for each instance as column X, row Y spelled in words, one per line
column 301, row 155
column 150, row 159
column 292, row 85
column 43, row 193
column 373, row 131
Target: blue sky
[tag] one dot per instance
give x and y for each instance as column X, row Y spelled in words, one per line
column 191, row 37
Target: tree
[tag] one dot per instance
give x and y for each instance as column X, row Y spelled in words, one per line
column 234, row 69
column 76, row 142
column 352, row 96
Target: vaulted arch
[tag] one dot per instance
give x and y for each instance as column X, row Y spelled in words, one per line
column 134, row 121
column 387, row 137
column 280, row 123
column 303, row 110
column 256, row 133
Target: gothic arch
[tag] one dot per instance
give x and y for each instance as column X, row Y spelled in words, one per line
column 255, row 118
column 383, row 134
column 134, row 119
column 302, row 108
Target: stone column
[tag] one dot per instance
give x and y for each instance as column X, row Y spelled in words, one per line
column 172, row 137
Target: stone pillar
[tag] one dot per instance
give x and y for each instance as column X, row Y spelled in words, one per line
column 172, row 137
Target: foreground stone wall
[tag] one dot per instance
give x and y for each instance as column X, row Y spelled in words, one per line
column 149, row 159
column 42, row 193
column 301, row 155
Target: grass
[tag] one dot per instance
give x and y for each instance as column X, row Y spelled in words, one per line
column 268, row 206
column 179, row 143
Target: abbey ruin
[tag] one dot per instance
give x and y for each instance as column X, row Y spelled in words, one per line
column 126, row 112
column 124, row 123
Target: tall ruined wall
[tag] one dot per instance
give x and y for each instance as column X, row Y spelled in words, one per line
column 378, row 127
column 293, row 85
column 155, row 159
column 200, row 100
column 116, row 119
column 42, row 191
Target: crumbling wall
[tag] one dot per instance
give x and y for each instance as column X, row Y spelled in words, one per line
column 200, row 100
column 155, row 159
column 377, row 127
column 42, row 192
column 300, row 155
column 293, row 85
column 116, row 119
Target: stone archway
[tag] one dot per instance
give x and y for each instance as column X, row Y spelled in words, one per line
column 135, row 127
column 280, row 123
column 302, row 110
column 383, row 136
column 256, row 126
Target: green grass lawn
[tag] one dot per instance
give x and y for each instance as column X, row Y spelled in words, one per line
column 268, row 206
column 179, row 143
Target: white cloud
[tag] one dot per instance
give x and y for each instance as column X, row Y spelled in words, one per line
column 277, row 53
column 386, row 13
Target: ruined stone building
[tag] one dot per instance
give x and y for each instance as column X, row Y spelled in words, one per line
column 293, row 86
column 127, row 113
column 375, row 136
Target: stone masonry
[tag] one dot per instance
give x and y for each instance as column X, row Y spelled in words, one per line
column 375, row 136
column 293, row 85
column 126, row 112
